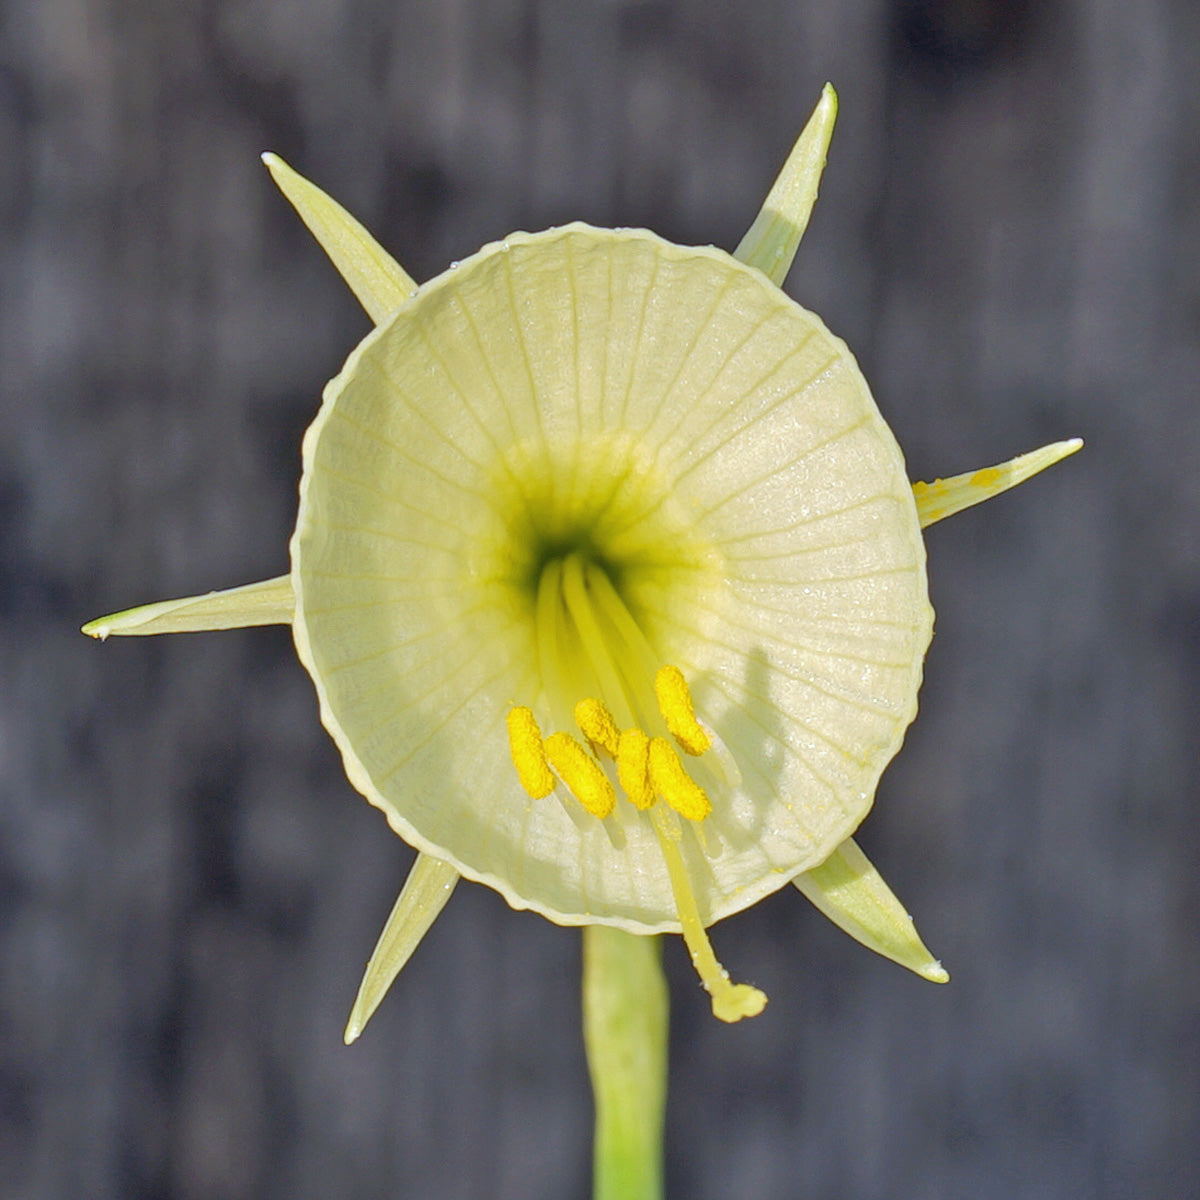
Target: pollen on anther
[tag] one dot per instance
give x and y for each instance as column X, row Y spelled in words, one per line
column 674, row 784
column 675, row 704
column 633, row 767
column 581, row 773
column 597, row 725
column 528, row 753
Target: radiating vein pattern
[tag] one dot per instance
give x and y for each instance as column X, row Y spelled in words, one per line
column 665, row 414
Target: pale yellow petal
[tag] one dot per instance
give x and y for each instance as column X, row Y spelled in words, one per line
column 721, row 448
column 853, row 895
column 379, row 282
column 945, row 497
column 269, row 602
column 425, row 893
column 770, row 243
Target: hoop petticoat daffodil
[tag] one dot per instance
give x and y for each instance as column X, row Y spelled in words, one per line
column 610, row 580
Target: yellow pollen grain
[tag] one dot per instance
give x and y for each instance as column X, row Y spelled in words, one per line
column 674, row 784
column 528, row 755
column 633, row 767
column 675, row 704
column 987, row 477
column 597, row 725
column 581, row 773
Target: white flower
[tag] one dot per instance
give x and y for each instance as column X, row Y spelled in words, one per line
column 591, row 467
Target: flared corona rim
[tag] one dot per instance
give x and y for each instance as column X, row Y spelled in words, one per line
column 562, row 870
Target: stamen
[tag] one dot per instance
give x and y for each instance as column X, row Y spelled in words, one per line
column 674, row 784
column 595, row 644
column 528, row 754
column 633, row 762
column 638, row 651
column 553, row 654
column 581, row 773
column 597, row 725
column 730, row 1001
column 675, row 704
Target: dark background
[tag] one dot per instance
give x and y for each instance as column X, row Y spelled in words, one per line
column 1008, row 237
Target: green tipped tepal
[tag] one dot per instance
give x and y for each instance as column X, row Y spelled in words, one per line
column 610, row 579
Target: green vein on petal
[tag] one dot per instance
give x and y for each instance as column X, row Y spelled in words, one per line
column 944, row 497
column 269, row 602
column 770, row 243
column 376, row 279
column 853, row 895
column 425, row 893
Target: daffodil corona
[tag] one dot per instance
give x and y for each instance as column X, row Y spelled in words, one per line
column 610, row 580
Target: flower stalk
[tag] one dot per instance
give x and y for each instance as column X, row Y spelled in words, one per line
column 625, row 1034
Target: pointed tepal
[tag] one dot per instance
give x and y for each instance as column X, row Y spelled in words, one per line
column 381, row 286
column 944, row 497
column 853, row 895
column 269, row 602
column 770, row 243
column 425, row 893
column 376, row 279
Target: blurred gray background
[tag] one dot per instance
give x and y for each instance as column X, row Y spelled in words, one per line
column 1007, row 236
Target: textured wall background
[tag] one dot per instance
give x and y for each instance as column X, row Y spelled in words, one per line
column 1007, row 237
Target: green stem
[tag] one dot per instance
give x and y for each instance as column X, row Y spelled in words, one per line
column 625, row 1032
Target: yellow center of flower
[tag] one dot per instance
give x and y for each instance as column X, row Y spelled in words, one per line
column 631, row 711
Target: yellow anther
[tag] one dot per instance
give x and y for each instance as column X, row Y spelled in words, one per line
column 675, row 704
column 674, row 784
column 528, row 755
column 581, row 773
column 597, row 725
column 633, row 767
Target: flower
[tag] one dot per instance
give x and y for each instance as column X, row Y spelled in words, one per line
column 610, row 580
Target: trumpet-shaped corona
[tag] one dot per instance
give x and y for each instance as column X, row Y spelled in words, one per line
column 581, row 455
